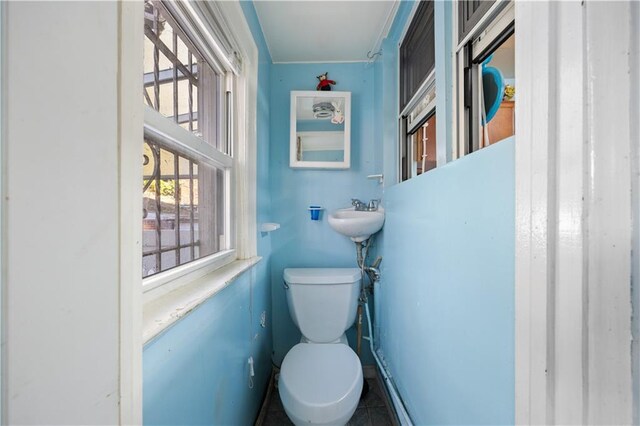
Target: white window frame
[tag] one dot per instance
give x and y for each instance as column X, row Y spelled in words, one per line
column 500, row 15
column 421, row 105
column 144, row 315
column 235, row 57
column 164, row 131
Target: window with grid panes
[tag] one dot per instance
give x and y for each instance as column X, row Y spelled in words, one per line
column 186, row 164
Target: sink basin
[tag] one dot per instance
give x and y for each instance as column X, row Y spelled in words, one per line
column 357, row 225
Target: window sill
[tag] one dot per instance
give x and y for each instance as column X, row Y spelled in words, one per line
column 162, row 312
column 167, row 281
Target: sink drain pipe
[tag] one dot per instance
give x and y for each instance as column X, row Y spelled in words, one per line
column 374, row 276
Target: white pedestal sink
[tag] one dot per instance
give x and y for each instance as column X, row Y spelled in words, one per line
column 357, row 225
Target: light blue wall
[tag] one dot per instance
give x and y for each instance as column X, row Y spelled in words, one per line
column 301, row 242
column 196, row 372
column 445, row 303
column 447, row 309
column 1, row 192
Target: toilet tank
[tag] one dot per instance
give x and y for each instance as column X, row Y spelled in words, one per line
column 322, row 301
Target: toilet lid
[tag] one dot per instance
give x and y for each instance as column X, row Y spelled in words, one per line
column 315, row 377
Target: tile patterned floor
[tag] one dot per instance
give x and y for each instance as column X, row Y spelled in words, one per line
column 371, row 410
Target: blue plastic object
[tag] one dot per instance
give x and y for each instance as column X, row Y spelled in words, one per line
column 493, row 88
column 315, row 212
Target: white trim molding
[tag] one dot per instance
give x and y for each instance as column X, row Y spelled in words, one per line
column 635, row 203
column 245, row 131
column 3, row 228
column 130, row 134
column 573, row 213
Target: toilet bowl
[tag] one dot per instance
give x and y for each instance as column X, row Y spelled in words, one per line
column 320, row 383
column 321, row 378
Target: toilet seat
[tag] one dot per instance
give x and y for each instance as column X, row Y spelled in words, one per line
column 320, row 383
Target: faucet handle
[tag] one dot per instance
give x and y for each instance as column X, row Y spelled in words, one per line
column 358, row 205
column 373, row 205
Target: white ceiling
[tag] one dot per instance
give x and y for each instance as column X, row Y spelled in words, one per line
column 324, row 31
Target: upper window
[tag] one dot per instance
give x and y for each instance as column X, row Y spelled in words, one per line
column 487, row 67
column 171, row 78
column 186, row 160
column 418, row 95
column 469, row 14
column 417, row 53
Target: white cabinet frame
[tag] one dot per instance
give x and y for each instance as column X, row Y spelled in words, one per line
column 293, row 158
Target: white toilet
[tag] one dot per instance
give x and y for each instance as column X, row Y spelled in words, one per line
column 321, row 377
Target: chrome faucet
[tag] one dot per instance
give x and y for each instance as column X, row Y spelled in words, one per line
column 372, row 206
column 359, row 205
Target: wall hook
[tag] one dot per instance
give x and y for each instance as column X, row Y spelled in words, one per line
column 373, row 56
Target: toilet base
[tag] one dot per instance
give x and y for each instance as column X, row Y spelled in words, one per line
column 320, row 384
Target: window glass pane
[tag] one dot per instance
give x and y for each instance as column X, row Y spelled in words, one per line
column 183, row 51
column 149, row 266
column 419, row 145
column 169, row 260
column 183, row 102
column 148, row 54
column 185, row 255
column 209, row 230
column 166, row 99
column 424, row 146
column 187, row 218
column 497, row 100
column 172, row 74
column 195, row 124
column 183, row 217
column 148, row 96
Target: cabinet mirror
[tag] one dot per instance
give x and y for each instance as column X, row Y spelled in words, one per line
column 320, row 130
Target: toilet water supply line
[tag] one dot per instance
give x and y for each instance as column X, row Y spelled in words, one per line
column 374, row 276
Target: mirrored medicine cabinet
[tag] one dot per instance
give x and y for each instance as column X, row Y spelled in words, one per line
column 320, row 130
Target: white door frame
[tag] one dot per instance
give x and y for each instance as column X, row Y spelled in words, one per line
column 574, row 159
column 130, row 130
